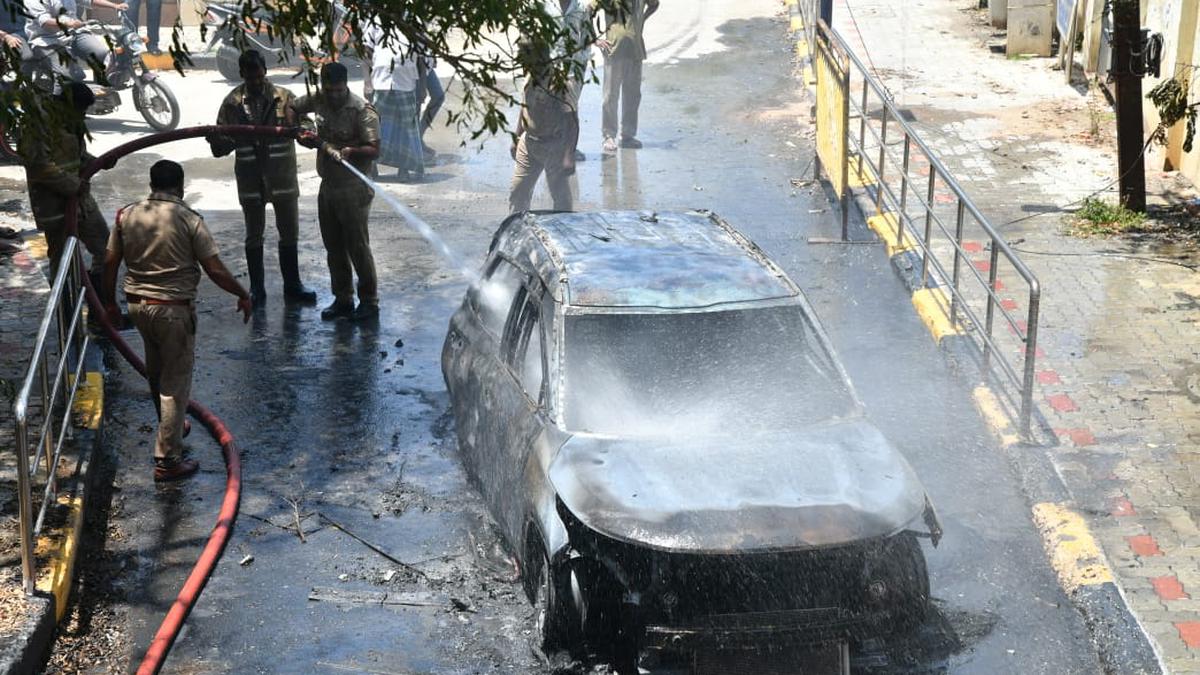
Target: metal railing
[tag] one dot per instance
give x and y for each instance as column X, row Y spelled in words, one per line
column 52, row 380
column 929, row 213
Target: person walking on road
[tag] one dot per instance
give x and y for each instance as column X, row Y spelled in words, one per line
column 153, row 21
column 164, row 245
column 52, row 162
column 547, row 132
column 347, row 130
column 265, row 168
column 624, row 49
column 392, row 89
column 432, row 95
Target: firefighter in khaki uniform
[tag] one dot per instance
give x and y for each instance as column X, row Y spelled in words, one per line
column 347, row 129
column 52, row 165
column 266, row 172
column 165, row 244
column 547, row 132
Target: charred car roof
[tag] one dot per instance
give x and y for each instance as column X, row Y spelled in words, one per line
column 635, row 259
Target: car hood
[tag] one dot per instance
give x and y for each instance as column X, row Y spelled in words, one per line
column 827, row 485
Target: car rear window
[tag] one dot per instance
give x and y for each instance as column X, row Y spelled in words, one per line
column 698, row 373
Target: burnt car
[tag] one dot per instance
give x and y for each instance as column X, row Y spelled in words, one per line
column 669, row 445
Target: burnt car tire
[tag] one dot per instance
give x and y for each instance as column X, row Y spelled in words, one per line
column 558, row 626
column 906, row 578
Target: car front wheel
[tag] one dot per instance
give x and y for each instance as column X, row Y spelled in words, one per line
column 558, row 622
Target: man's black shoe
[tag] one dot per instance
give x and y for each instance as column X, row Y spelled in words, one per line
column 300, row 294
column 338, row 310
column 631, row 142
column 365, row 312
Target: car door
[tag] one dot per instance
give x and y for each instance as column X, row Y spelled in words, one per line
column 516, row 417
column 471, row 357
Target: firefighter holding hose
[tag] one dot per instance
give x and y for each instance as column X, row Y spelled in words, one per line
column 347, row 132
column 265, row 168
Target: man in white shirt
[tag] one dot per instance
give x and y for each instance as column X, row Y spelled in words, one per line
column 51, row 28
column 574, row 19
column 392, row 89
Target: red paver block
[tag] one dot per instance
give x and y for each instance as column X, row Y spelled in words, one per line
column 1122, row 507
column 972, row 247
column 1008, row 304
column 984, row 266
column 1081, row 437
column 1062, row 403
column 1048, row 377
column 998, row 286
column 1145, row 546
column 944, row 198
column 1169, row 588
column 1189, row 632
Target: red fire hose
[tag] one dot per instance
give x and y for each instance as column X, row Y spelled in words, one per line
column 169, row 629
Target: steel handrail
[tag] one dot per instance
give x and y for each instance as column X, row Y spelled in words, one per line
column 71, row 339
column 827, row 41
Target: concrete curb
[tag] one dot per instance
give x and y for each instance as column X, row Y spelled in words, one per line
column 1079, row 562
column 28, row 651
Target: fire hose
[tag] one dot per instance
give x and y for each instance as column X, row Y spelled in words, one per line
column 156, row 654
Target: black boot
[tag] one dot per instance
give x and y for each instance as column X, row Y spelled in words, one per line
column 254, row 265
column 293, row 289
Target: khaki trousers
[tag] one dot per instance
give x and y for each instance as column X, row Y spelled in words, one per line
column 623, row 81
column 533, row 158
column 343, row 211
column 169, row 335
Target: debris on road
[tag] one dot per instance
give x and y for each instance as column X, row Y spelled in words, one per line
column 373, row 547
column 246, row 560
column 408, row 599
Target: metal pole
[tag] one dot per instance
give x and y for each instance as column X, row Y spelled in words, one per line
column 47, row 406
column 882, row 157
column 903, row 215
column 928, row 226
column 845, row 192
column 958, row 256
column 991, row 308
column 1031, row 336
column 24, row 499
column 862, row 126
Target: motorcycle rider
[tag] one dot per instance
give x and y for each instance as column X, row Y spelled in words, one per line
column 265, row 169
column 55, row 40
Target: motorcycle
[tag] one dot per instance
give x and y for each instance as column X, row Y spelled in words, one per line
column 125, row 69
column 225, row 18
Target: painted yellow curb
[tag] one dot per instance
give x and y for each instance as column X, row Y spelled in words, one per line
column 993, row 414
column 802, row 49
column 61, row 567
column 809, row 75
column 1074, row 553
column 797, row 24
column 89, row 401
column 38, row 247
column 931, row 304
column 886, row 226
column 161, row 62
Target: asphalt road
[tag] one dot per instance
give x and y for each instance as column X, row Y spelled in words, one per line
column 351, row 424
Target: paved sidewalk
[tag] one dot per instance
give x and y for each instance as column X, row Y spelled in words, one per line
column 1118, row 375
column 23, row 291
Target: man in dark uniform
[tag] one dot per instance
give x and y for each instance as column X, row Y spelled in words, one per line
column 165, row 244
column 347, row 129
column 52, row 163
column 265, row 168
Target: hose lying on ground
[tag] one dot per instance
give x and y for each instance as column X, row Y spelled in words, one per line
column 169, row 629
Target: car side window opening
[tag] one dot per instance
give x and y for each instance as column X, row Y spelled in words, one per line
column 523, row 343
column 494, row 296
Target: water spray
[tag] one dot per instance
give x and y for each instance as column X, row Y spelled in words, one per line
column 416, row 222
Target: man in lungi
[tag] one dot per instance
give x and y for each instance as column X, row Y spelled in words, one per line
column 391, row 86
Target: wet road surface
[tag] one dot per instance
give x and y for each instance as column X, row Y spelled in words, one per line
column 350, row 424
